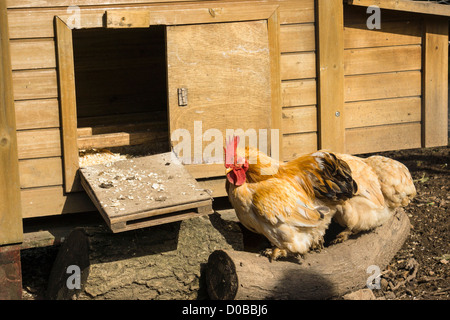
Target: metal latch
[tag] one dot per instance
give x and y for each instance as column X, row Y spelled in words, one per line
column 182, row 97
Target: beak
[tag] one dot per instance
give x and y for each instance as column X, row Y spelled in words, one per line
column 228, row 170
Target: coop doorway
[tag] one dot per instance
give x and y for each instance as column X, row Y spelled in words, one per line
column 113, row 91
column 121, row 90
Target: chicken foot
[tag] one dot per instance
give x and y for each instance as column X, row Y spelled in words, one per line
column 274, row 253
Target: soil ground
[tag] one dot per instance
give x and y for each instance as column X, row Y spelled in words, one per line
column 419, row 271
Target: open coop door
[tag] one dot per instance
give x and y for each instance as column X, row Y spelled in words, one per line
column 219, row 80
column 144, row 191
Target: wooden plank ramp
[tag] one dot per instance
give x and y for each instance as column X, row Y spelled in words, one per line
column 146, row 191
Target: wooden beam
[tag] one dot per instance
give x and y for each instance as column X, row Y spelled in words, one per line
column 49, row 201
column 383, row 138
column 10, row 204
column 273, row 26
column 405, row 5
column 434, row 83
column 10, row 273
column 330, row 67
column 68, row 102
column 127, row 19
column 118, row 139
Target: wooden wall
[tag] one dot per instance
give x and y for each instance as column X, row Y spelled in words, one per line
column 10, row 204
column 382, row 81
column 298, row 82
column 382, row 86
column 31, row 24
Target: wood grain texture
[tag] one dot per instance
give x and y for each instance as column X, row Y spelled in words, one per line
column 382, row 59
column 298, row 65
column 435, row 83
column 37, row 114
column 294, row 11
column 39, row 143
column 295, row 145
column 37, row 34
column 40, row 172
column 35, row 84
column 380, row 112
column 68, row 104
column 273, row 29
column 216, row 186
column 127, row 19
column 132, row 201
column 33, row 54
column 299, row 92
column 10, row 208
column 162, row 13
column 238, row 80
column 299, row 119
column 66, row 3
column 383, row 85
column 297, row 37
column 383, row 138
column 118, row 139
column 330, row 65
column 48, row 201
column 393, row 33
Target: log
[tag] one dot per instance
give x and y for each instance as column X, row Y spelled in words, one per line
column 333, row 272
column 161, row 262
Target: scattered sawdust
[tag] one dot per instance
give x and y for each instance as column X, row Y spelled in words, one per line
column 99, row 156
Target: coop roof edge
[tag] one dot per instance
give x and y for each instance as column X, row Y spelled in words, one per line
column 405, row 5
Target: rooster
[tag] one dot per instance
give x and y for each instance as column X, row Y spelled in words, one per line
column 293, row 205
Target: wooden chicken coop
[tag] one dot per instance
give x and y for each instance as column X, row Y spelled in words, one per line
column 105, row 74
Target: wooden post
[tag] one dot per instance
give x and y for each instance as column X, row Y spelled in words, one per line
column 10, row 273
column 66, row 74
column 330, row 67
column 435, row 82
column 10, row 205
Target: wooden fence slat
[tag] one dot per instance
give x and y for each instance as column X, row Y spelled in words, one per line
column 10, row 209
column 297, row 37
column 330, row 22
column 393, row 33
column 33, row 54
column 299, row 119
column 68, row 114
column 37, row 114
column 47, row 201
column 40, row 172
column 382, row 59
column 382, row 85
column 35, row 84
column 380, row 112
column 298, row 65
column 39, row 143
column 299, row 93
column 382, row 138
column 435, row 83
column 294, row 145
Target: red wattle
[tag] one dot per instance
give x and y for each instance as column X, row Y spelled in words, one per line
column 236, row 177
